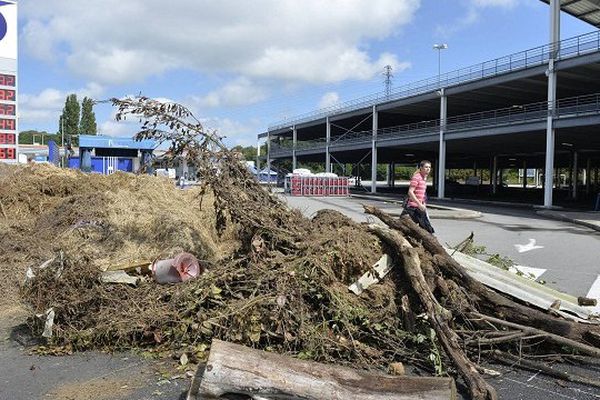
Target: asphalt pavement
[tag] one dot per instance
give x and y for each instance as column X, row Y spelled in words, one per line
column 89, row 375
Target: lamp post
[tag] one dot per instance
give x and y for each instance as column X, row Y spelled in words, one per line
column 439, row 48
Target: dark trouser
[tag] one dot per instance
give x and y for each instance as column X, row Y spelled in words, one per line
column 419, row 217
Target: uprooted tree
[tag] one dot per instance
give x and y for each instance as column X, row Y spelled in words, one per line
column 283, row 287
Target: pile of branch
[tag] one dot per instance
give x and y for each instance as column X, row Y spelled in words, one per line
column 283, row 288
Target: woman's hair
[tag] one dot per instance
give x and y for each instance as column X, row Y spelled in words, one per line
column 422, row 163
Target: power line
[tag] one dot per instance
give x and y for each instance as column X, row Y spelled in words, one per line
column 387, row 72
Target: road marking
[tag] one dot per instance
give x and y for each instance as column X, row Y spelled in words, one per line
column 594, row 293
column 527, row 272
column 522, row 248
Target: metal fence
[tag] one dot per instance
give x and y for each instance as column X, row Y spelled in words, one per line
column 567, row 48
column 565, row 108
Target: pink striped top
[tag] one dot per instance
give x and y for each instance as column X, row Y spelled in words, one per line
column 420, row 185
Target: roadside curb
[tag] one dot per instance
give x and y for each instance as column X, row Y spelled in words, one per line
column 436, row 211
column 564, row 218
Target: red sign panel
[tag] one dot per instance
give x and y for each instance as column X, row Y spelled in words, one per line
column 8, row 154
column 7, row 124
column 8, row 138
column 7, row 80
column 8, row 95
column 7, row 109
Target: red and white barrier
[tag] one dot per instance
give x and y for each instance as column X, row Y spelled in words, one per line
column 317, row 186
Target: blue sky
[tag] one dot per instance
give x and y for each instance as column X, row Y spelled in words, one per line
column 243, row 65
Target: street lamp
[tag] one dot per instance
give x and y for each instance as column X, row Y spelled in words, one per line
column 439, row 48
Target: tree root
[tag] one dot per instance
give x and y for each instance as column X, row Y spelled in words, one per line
column 438, row 316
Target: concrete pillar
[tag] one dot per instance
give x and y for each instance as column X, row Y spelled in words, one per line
column 574, row 174
column 258, row 155
column 588, row 175
column 327, row 141
column 524, row 174
column 550, row 132
column 495, row 175
column 374, row 152
column 388, row 175
column 268, row 157
column 146, row 160
column 433, row 175
column 442, row 151
column 393, row 171
column 294, row 145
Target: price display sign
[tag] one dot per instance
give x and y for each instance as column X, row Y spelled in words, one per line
column 9, row 113
column 8, row 138
column 8, row 153
column 7, row 124
column 7, row 109
column 7, row 80
column 8, row 95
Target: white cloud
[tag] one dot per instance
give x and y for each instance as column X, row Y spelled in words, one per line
column 117, row 128
column 239, row 92
column 234, row 132
column 117, row 41
column 48, row 104
column 329, row 99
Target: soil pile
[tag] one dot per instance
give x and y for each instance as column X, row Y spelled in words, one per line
column 94, row 221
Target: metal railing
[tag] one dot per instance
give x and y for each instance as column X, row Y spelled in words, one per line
column 565, row 108
column 567, row 48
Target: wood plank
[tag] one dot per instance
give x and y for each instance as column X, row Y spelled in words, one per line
column 236, row 369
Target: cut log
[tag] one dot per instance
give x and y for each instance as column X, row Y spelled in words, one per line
column 236, row 369
column 487, row 299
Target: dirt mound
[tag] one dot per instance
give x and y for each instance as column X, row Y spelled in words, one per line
column 50, row 213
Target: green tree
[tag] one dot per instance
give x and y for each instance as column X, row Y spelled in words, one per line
column 87, row 125
column 69, row 119
column 42, row 137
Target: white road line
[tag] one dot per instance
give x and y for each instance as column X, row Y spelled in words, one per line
column 522, row 248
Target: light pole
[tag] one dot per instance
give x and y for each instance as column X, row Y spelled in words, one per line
column 439, row 48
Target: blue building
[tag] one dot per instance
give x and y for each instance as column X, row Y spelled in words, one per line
column 106, row 154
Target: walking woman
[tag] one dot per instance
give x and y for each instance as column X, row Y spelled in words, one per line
column 416, row 206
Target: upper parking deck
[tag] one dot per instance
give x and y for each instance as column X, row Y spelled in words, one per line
column 572, row 52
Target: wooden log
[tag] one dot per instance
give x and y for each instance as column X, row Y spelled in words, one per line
column 485, row 298
column 586, row 301
column 438, row 315
column 236, row 369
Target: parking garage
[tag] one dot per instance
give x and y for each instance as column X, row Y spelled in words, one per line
column 500, row 114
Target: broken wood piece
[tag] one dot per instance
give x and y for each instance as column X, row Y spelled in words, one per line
column 130, row 266
column 119, row 277
column 380, row 269
column 236, row 369
column 586, row 301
